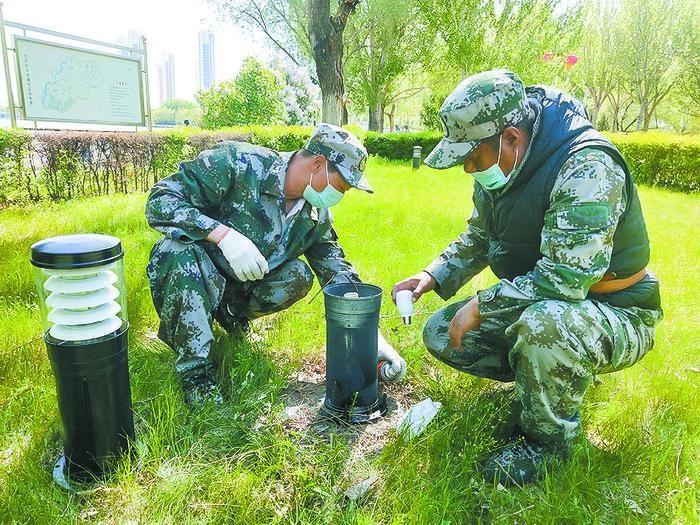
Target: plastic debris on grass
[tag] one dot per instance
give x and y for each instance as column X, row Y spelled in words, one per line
column 418, row 417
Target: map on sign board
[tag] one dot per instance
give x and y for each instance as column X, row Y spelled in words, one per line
column 67, row 84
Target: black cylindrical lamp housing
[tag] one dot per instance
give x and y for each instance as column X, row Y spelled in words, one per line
column 82, row 296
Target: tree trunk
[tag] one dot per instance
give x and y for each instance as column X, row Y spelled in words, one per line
column 615, row 115
column 391, row 116
column 331, row 107
column 647, row 120
column 594, row 114
column 326, row 38
column 376, row 116
column 641, row 116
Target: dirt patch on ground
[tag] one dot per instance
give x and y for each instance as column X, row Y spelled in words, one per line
column 303, row 398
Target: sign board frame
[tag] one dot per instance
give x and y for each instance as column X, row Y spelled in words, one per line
column 20, row 85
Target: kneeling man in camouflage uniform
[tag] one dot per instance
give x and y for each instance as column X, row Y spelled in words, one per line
column 236, row 221
column 557, row 218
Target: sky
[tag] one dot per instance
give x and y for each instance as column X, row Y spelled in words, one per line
column 169, row 26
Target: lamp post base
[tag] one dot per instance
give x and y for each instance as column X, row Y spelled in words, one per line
column 60, row 476
column 354, row 415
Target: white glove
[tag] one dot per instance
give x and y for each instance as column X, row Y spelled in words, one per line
column 386, row 352
column 244, row 257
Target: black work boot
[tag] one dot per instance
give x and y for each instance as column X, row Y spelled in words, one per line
column 521, row 461
column 234, row 325
column 198, row 381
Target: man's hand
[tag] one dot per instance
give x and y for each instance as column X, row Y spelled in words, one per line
column 386, row 352
column 467, row 318
column 419, row 284
column 245, row 259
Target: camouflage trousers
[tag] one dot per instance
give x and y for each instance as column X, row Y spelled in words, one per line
column 189, row 291
column 552, row 350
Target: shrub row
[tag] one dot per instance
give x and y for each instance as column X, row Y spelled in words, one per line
column 662, row 159
column 63, row 165
column 66, row 164
column 399, row 146
column 654, row 158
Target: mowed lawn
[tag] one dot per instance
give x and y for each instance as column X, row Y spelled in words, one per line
column 237, row 464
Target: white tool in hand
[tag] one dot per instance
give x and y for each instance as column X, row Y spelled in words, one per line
column 404, row 303
column 245, row 259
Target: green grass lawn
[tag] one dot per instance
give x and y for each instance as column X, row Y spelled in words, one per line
column 236, row 464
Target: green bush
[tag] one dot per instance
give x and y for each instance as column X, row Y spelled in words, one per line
column 253, row 97
column 61, row 165
column 399, row 146
column 280, row 138
column 661, row 159
column 17, row 183
column 654, row 158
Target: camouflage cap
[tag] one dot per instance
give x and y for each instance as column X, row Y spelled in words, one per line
column 344, row 150
column 481, row 106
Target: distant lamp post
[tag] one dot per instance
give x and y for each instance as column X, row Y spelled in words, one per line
column 417, row 153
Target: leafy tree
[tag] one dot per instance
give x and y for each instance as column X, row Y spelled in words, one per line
column 299, row 95
column 597, row 72
column 302, row 30
column 463, row 37
column 253, row 97
column 429, row 111
column 649, row 37
column 689, row 54
column 380, row 40
column 175, row 111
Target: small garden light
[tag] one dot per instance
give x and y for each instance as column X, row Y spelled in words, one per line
column 82, row 298
column 417, row 152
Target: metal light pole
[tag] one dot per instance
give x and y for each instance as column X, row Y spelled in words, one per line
column 147, row 84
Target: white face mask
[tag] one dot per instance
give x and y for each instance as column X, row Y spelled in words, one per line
column 325, row 198
column 493, row 178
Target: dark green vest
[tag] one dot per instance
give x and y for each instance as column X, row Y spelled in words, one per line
column 514, row 217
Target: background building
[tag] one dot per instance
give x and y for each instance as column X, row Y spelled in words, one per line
column 205, row 73
column 133, row 39
column 166, row 78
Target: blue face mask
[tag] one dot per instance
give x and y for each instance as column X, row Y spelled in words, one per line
column 325, row 198
column 493, row 178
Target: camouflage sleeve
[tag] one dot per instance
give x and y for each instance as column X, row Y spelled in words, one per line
column 177, row 204
column 585, row 206
column 328, row 262
column 461, row 260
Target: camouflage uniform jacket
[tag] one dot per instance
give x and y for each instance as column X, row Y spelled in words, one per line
column 574, row 258
column 242, row 186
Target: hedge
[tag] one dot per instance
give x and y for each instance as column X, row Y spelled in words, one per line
column 662, row 159
column 654, row 158
column 66, row 164
column 398, row 146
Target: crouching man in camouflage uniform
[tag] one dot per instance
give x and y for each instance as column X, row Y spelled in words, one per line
column 557, row 218
column 236, row 220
